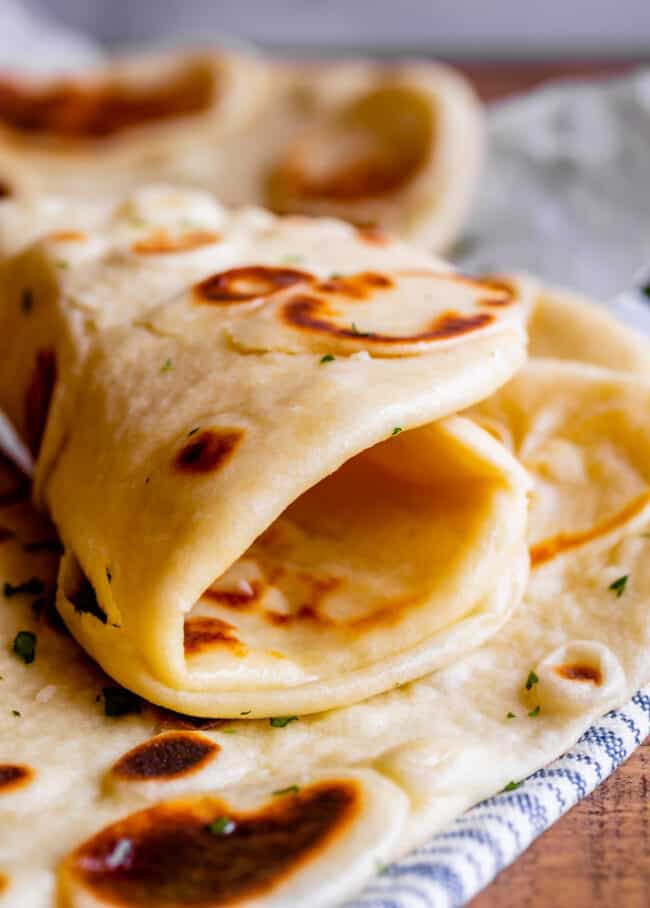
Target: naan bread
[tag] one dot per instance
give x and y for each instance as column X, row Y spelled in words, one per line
column 139, row 119
column 396, row 767
column 263, row 509
column 568, row 325
column 397, row 146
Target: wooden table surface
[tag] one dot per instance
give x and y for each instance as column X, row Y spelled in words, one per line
column 599, row 853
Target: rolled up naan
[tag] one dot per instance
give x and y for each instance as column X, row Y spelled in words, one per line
column 397, row 146
column 143, row 805
column 263, row 506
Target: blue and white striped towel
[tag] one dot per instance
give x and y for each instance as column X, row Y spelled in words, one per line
column 458, row 862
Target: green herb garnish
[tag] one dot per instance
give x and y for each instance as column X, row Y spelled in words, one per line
column 511, row 715
column 618, row 586
column 222, row 826
column 229, row 730
column 646, row 290
column 396, row 430
column 26, row 301
column 25, row 646
column 534, row 712
column 120, row 702
column 166, row 366
column 15, row 712
column 281, row 721
column 246, row 712
column 31, row 587
column 289, row 790
column 328, row 358
column 193, row 431
column 512, row 786
column 531, row 680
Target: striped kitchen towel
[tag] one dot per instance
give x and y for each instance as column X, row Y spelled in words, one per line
column 458, row 862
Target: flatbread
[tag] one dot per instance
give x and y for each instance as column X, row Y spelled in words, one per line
column 395, row 146
column 568, row 325
column 240, row 430
column 421, row 754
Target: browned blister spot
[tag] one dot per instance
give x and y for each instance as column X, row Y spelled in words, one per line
column 355, row 286
column 167, row 856
column 204, row 632
column 5, row 189
column 68, row 236
column 77, row 110
column 310, row 313
column 160, row 242
column 208, row 450
column 315, row 591
column 240, row 598
column 374, row 146
column 38, row 398
column 543, row 551
column 13, row 776
column 4, row 882
column 373, row 235
column 166, row 756
column 579, row 672
column 506, row 291
column 250, row 282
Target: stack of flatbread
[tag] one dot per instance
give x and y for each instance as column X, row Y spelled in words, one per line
column 326, row 541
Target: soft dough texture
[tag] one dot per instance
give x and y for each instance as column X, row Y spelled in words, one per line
column 263, row 509
column 423, row 753
column 398, row 146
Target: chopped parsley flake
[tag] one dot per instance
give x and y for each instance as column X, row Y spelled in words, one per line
column 120, row 702
column 396, row 430
column 15, row 712
column 646, row 289
column 531, row 680
column 222, row 826
column 166, row 366
column 25, row 646
column 281, row 721
column 328, row 358
column 246, row 712
column 193, row 431
column 26, row 301
column 511, row 715
column 289, row 790
column 534, row 712
column 358, row 333
column 229, row 730
column 31, row 587
column 618, row 586
column 512, row 786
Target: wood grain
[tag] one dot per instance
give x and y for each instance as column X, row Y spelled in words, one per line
column 497, row 80
column 599, row 853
